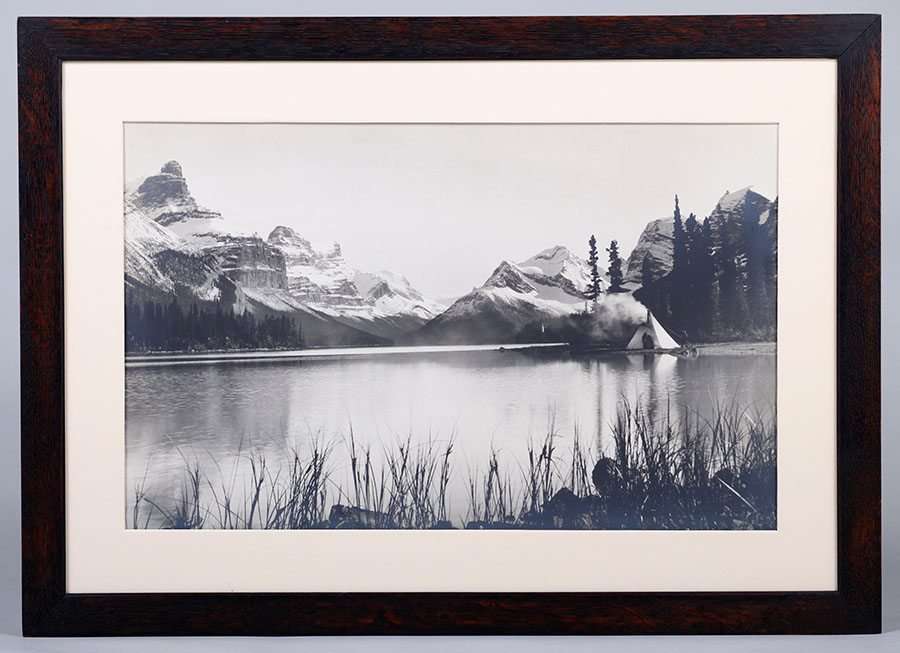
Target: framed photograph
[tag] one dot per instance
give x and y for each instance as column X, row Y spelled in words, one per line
column 538, row 325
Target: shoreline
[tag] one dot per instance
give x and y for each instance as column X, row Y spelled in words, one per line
column 249, row 355
column 737, row 348
column 323, row 352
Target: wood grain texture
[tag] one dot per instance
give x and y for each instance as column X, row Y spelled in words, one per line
column 45, row 43
column 559, row 37
column 859, row 326
column 41, row 334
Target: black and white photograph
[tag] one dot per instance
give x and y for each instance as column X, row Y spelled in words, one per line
column 450, row 326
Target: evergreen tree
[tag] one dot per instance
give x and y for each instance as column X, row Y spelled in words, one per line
column 593, row 289
column 706, row 280
column 688, row 279
column 733, row 311
column 758, row 247
column 679, row 244
column 679, row 293
column 771, row 273
column 153, row 326
column 691, row 232
column 615, row 267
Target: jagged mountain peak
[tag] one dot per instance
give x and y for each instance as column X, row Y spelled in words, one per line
column 383, row 283
column 654, row 249
column 283, row 233
column 561, row 266
column 172, row 168
column 507, row 275
column 165, row 198
column 663, row 226
column 296, row 246
column 555, row 253
column 733, row 212
column 382, row 303
column 731, row 200
column 546, row 286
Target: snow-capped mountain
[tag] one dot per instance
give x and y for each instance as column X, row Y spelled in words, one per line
column 175, row 246
column 156, row 259
column 560, row 267
column 383, row 303
column 165, row 198
column 549, row 285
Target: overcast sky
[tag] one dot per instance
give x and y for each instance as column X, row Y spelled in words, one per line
column 444, row 204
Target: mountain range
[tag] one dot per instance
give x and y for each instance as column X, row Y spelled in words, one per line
column 655, row 246
column 175, row 248
column 550, row 284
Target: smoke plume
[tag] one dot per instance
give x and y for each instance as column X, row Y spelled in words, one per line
column 616, row 316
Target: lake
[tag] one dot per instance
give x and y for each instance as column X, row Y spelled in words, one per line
column 214, row 409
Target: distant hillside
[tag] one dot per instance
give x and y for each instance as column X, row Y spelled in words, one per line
column 549, row 285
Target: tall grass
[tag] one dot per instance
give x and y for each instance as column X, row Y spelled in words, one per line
column 656, row 472
column 491, row 498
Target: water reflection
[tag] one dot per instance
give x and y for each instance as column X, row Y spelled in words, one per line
column 483, row 399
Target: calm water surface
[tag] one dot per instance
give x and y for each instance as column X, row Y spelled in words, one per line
column 214, row 411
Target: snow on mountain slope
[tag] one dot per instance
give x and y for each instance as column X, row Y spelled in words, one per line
column 144, row 238
column 383, row 303
column 174, row 222
column 563, row 269
column 172, row 241
column 165, row 198
column 315, row 276
column 511, row 283
column 157, row 260
column 177, row 249
column 549, row 285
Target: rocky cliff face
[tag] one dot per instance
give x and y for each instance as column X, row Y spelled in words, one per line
column 728, row 226
column 250, row 261
column 383, row 303
column 157, row 260
column 166, row 199
column 655, row 245
column 732, row 294
column 315, row 276
column 176, row 246
column 190, row 228
column 508, row 276
column 736, row 214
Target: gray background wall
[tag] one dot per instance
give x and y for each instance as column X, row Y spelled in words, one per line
column 10, row 629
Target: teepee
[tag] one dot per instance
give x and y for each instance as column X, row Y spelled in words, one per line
column 651, row 335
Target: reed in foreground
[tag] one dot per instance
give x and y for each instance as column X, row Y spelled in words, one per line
column 657, row 472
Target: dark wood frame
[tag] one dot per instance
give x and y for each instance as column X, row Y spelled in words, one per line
column 854, row 41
